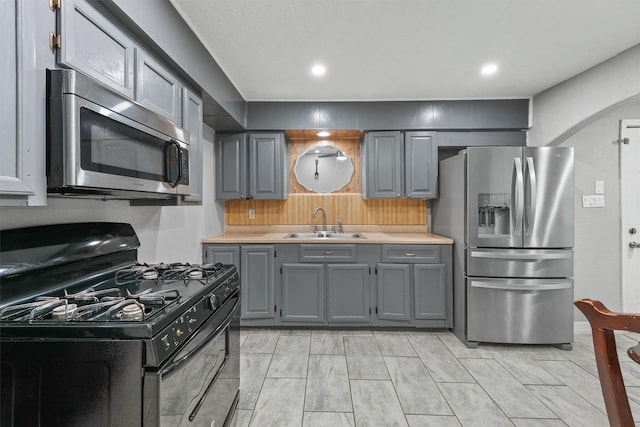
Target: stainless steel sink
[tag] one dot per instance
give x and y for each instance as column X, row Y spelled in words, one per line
column 325, row 235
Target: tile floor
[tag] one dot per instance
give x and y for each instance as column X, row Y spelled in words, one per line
column 317, row 378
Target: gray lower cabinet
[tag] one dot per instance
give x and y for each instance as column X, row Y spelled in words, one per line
column 348, row 298
column 393, row 283
column 302, row 290
column 399, row 164
column 430, row 291
column 257, row 278
column 252, row 166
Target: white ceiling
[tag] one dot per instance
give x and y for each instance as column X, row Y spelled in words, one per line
column 408, row 49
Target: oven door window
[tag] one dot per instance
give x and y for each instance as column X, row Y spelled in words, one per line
column 114, row 148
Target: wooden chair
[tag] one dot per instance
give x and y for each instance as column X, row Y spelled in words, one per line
column 603, row 324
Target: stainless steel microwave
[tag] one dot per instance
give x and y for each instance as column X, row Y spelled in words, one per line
column 102, row 144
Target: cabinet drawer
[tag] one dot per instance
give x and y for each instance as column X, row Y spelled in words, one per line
column 327, row 253
column 422, row 254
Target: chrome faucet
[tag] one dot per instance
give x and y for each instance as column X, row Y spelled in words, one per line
column 324, row 217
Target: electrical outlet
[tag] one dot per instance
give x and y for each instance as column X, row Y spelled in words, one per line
column 593, row 201
column 252, row 213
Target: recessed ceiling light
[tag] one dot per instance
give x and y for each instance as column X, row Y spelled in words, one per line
column 489, row 69
column 318, row 70
column 323, row 134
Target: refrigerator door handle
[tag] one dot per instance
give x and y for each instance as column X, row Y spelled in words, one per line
column 534, row 257
column 521, row 287
column 530, row 212
column 517, row 196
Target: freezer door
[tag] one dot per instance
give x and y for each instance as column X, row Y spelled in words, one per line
column 495, row 196
column 520, row 311
column 549, row 205
column 538, row 263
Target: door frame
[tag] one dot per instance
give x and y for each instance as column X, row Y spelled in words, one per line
column 629, row 203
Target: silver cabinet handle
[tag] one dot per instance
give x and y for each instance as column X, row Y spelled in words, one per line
column 328, row 252
column 410, row 254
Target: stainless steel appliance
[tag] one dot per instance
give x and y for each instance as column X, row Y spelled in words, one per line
column 510, row 212
column 90, row 337
column 100, row 143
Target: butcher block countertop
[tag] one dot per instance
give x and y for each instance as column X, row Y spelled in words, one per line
column 387, row 234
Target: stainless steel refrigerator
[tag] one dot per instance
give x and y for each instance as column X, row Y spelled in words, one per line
column 510, row 212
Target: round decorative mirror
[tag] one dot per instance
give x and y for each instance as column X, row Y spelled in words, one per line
column 323, row 169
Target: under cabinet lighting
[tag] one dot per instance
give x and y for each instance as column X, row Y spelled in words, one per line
column 323, row 134
column 318, row 70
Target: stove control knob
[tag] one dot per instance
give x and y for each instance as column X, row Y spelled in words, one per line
column 165, row 341
column 214, row 302
column 179, row 332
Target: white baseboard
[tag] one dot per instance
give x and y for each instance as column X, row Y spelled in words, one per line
column 581, row 326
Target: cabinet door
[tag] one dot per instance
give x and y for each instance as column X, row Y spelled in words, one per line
column 394, row 291
column 95, row 46
column 430, row 288
column 257, row 281
column 384, row 165
column 192, row 122
column 224, row 254
column 420, row 165
column 303, row 293
column 266, row 163
column 156, row 88
column 348, row 293
column 231, row 167
column 12, row 144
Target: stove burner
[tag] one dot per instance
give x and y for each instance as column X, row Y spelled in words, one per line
column 64, row 312
column 132, row 312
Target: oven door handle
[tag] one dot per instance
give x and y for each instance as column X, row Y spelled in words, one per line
column 174, row 364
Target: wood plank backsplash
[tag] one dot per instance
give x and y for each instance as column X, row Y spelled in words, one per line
column 351, row 208
column 346, row 204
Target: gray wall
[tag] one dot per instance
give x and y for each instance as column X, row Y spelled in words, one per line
column 167, row 234
column 584, row 112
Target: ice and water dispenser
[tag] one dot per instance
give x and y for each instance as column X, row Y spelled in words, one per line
column 493, row 213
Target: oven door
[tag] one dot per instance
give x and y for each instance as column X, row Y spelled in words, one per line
column 199, row 385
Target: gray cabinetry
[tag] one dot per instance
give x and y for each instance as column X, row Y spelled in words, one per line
column 192, row 122
column 156, row 87
column 257, row 281
column 252, row 166
column 348, row 293
column 394, row 292
column 414, row 284
column 302, row 293
column 94, row 45
column 224, row 254
column 397, row 164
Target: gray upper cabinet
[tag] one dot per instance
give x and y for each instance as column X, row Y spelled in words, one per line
column 398, row 164
column 383, row 165
column 192, row 122
column 252, row 166
column 231, row 167
column 156, row 88
column 12, row 172
column 257, row 277
column 420, row 165
column 92, row 44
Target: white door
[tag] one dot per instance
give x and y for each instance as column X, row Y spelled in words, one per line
column 630, row 213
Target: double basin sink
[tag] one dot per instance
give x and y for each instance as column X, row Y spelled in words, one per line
column 324, row 235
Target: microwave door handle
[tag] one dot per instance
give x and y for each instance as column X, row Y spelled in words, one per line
column 533, row 195
column 517, row 198
column 168, row 165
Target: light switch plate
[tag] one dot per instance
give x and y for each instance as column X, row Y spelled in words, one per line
column 599, row 187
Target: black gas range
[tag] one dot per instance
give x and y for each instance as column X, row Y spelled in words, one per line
column 90, row 336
